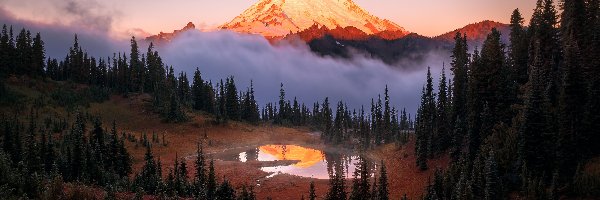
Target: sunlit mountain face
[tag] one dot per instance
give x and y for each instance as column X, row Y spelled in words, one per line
column 278, row 18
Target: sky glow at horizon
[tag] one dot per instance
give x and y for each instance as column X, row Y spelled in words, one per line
column 425, row 17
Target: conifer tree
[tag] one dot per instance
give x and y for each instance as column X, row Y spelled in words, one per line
column 442, row 122
column 460, row 67
column 211, row 182
column 573, row 93
column 492, row 181
column 38, row 57
column 200, row 179
column 311, row 192
column 382, row 190
column 225, row 191
column 518, row 49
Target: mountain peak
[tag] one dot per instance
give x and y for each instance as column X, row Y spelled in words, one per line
column 166, row 37
column 477, row 32
column 278, row 18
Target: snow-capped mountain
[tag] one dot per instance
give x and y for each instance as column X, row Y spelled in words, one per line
column 279, row 18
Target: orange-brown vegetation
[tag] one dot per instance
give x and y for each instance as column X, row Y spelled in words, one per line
column 132, row 116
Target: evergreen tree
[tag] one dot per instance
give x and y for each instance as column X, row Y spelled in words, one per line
column 460, row 68
column 200, row 179
column 136, row 68
column 442, row 122
column 311, row 192
column 360, row 182
column 426, row 124
column 232, row 100
column 518, row 49
column 337, row 188
column 382, row 190
column 492, row 181
column 211, row 182
column 38, row 57
column 150, row 177
column 225, row 191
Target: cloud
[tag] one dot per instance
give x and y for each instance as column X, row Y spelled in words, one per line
column 89, row 14
column 58, row 37
column 305, row 75
column 219, row 54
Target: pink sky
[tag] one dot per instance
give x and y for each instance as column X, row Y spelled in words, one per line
column 426, row 17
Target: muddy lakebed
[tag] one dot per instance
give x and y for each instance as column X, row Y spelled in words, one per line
column 292, row 159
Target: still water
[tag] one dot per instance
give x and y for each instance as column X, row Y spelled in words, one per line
column 297, row 160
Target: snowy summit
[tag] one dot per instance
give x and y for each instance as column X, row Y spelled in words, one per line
column 277, row 18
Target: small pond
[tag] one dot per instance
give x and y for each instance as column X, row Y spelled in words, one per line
column 295, row 160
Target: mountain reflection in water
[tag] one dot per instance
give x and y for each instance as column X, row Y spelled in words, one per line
column 309, row 162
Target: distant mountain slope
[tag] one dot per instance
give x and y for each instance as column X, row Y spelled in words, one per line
column 167, row 37
column 477, row 32
column 390, row 46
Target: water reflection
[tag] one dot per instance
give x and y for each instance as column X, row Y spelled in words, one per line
column 297, row 160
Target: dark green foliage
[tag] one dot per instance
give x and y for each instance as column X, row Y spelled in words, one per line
column 232, row 104
column 225, row 191
column 442, row 133
column 383, row 190
column 311, row 192
column 492, row 181
column 425, row 126
column 200, row 179
column 149, row 178
column 518, row 49
column 361, row 181
column 460, row 63
column 211, row 184
column 337, row 188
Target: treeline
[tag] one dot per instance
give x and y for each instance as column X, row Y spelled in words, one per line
column 522, row 117
column 34, row 156
column 363, row 187
column 173, row 96
column 383, row 124
column 203, row 185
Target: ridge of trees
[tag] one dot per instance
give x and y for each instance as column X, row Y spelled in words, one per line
column 521, row 113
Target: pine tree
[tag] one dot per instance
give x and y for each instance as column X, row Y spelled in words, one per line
column 38, row 56
column 426, row 124
column 5, row 49
column 197, row 90
column 382, row 190
column 460, row 63
column 232, row 100
column 492, row 181
column 442, row 122
column 533, row 128
column 360, row 182
column 200, row 179
column 211, row 182
column 23, row 53
column 337, row 188
column 150, row 177
column 136, row 67
column 225, row 191
column 518, row 49
column 311, row 192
